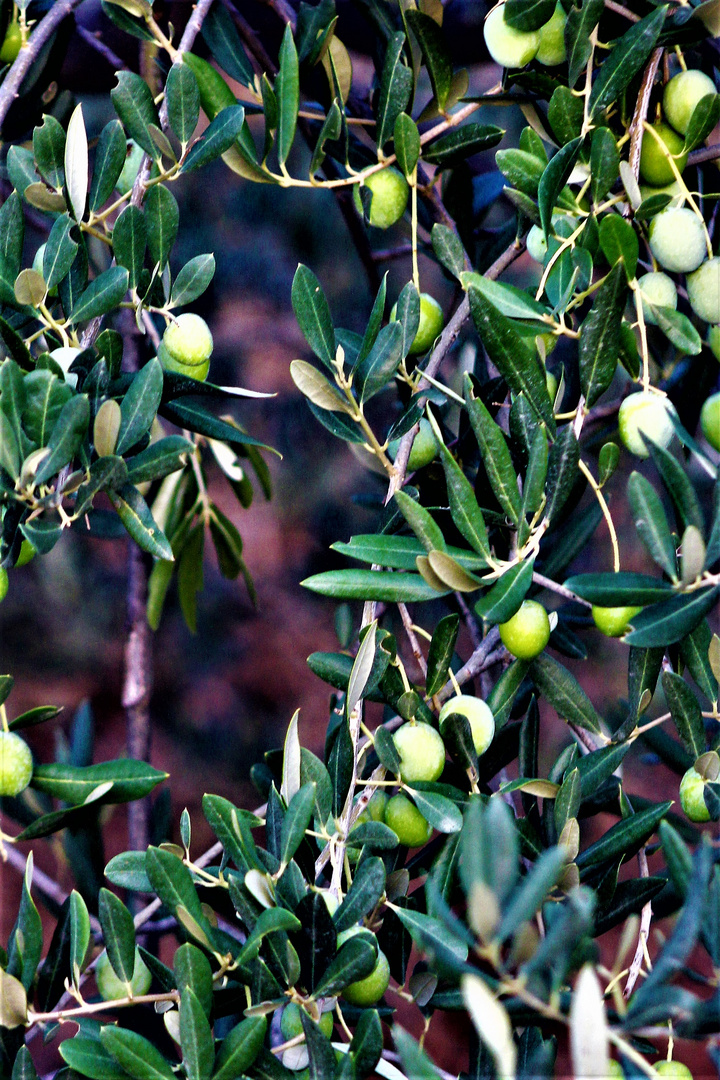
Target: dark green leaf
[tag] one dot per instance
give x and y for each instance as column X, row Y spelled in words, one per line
column 441, row 652
column 406, row 142
column 129, row 242
column 88, row 1057
column 507, row 594
column 604, row 163
column 102, row 295
column 705, row 117
column 60, row 251
column 554, row 178
column 133, row 101
column 379, row 367
column 135, row 515
column 600, row 336
column 562, row 471
column 74, row 783
column 109, row 160
column 313, row 314
column 495, row 455
column 196, row 1040
column 515, row 363
column 217, row 138
column 193, row 280
column 354, row 961
column 226, row 47
column 531, row 894
column 183, row 100
column 395, row 87
column 651, row 523
column 431, row 40
column 564, row 693
column 578, row 29
column 448, row 249
column 366, row 890
column 140, row 405
column 287, row 90
column 626, row 58
column 136, row 1054
column 668, row 622
column 239, row 1048
column 49, row 150
column 158, row 459
column 119, row 933
column 296, row 821
column 686, row 713
column 466, row 513
column 460, row 143
column 623, row 589
column 621, row 841
column 67, row 434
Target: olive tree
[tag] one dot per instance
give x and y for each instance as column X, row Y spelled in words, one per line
column 425, row 856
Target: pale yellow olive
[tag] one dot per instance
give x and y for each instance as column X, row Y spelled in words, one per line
column 677, row 240
column 478, row 715
column 682, row 94
column 551, row 50
column 659, row 290
column 703, row 289
column 421, row 752
column 509, row 47
column 645, row 413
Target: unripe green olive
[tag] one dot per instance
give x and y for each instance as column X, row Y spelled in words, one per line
column 615, row 1070
column 186, row 346
column 11, row 44
column 659, row 290
column 4, row 583
column 16, row 764
column 710, row 420
column 673, row 1068
column 27, row 553
column 527, row 633
column 430, row 325
column 111, row 988
column 677, row 239
column 613, row 621
column 654, row 165
column 552, row 385
column 551, row 50
column 509, row 47
column 703, row 289
column 536, row 244
column 291, row 1022
column 407, row 822
column 692, row 798
column 424, row 447
column 421, row 751
column 479, row 716
column 682, row 94
column 370, row 989
column 647, row 414
column 389, row 197
column 713, row 341
column 673, row 190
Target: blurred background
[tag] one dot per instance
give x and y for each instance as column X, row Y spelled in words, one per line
column 223, row 696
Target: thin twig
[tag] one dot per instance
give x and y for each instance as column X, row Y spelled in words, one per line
column 553, row 586
column 641, row 110
column 483, row 657
column 470, row 621
column 641, row 952
column 43, row 882
column 27, row 55
column 620, row 10
column 100, row 47
column 412, row 638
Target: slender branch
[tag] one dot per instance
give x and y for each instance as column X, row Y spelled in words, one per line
column 620, row 10
column 487, row 654
column 13, row 80
column 706, row 153
column 641, row 952
column 641, row 110
column 42, row 881
column 548, row 583
column 100, row 47
column 137, row 687
column 412, row 638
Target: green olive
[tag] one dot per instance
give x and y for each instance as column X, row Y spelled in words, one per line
column 677, row 240
column 369, row 990
column 11, row 45
column 421, row 752
column 703, row 289
column 613, row 621
column 390, row 192
column 551, row 50
column 710, row 420
column 509, row 47
column 291, row 1022
column 682, row 94
column 648, row 414
column 479, row 716
column 659, row 290
column 406, row 821
column 16, row 764
column 186, row 347
column 527, row 633
column 424, row 447
column 692, row 796
column 111, row 988
column 654, row 165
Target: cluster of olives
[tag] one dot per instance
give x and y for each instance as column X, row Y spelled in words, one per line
column 515, row 48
